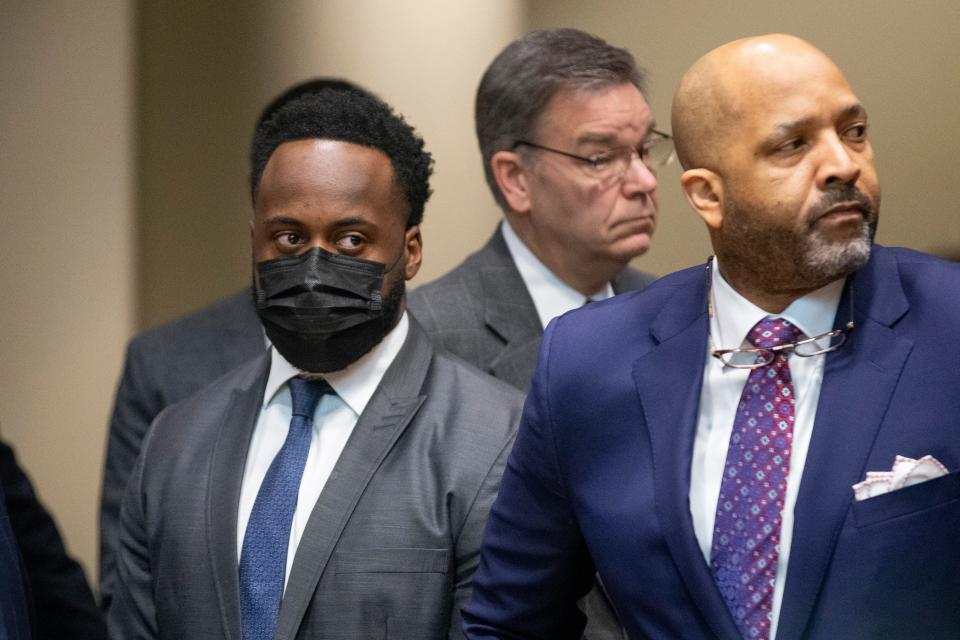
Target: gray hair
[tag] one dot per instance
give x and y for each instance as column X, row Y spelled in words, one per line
column 521, row 80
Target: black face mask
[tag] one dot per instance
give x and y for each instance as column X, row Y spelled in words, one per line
column 323, row 311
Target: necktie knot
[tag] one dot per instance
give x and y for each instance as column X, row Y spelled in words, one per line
column 772, row 332
column 305, row 394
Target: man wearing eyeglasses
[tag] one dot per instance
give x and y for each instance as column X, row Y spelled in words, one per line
column 569, row 150
column 764, row 447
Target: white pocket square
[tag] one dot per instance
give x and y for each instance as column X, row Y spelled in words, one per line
column 905, row 472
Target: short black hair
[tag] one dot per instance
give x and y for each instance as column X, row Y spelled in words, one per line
column 311, row 85
column 353, row 116
column 521, row 80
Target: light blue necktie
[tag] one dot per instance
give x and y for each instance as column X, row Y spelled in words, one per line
column 263, row 559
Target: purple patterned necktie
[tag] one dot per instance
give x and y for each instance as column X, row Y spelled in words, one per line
column 746, row 533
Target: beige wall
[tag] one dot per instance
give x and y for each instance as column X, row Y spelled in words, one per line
column 902, row 58
column 66, row 273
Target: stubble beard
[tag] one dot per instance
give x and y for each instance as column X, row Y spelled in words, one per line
column 822, row 259
column 779, row 258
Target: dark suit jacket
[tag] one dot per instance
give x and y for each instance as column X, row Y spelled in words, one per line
column 599, row 476
column 14, row 613
column 481, row 312
column 165, row 365
column 62, row 601
column 391, row 545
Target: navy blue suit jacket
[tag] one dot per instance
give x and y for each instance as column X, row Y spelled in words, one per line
column 599, row 475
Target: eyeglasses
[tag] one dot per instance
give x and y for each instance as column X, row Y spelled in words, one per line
column 655, row 152
column 756, row 357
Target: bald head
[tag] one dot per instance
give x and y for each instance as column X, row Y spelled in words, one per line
column 778, row 164
column 718, row 91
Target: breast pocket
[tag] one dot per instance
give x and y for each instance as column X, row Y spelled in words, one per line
column 410, row 589
column 896, row 565
column 401, row 560
column 908, row 501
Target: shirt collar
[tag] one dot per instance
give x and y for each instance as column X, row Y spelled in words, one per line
column 734, row 315
column 356, row 382
column 551, row 295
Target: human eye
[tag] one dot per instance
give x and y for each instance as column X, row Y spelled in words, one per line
column 289, row 241
column 791, row 146
column 613, row 162
column 856, row 132
column 350, row 242
column 601, row 161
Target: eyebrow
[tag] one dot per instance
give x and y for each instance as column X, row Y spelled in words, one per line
column 352, row 221
column 596, row 138
column 609, row 138
column 284, row 220
column 856, row 109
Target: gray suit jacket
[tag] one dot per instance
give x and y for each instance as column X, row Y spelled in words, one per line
column 163, row 366
column 481, row 312
column 391, row 545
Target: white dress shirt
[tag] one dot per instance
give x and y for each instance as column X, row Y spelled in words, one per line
column 551, row 295
column 333, row 421
column 733, row 317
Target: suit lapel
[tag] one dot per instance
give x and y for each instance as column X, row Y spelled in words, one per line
column 668, row 380
column 388, row 414
column 509, row 312
column 858, row 382
column 223, row 491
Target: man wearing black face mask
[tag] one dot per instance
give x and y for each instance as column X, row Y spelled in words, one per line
column 170, row 363
column 337, row 486
column 325, row 309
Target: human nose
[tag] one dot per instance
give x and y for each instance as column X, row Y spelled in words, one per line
column 639, row 176
column 318, row 242
column 841, row 164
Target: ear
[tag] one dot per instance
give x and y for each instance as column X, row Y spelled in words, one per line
column 412, row 252
column 704, row 191
column 511, row 177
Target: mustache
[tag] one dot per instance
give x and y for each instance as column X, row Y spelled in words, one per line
column 843, row 193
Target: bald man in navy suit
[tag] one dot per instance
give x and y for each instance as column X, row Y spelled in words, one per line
column 767, row 446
